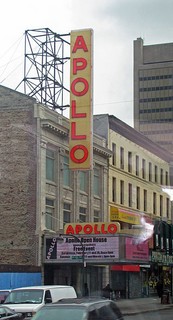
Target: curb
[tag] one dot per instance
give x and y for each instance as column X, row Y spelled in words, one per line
column 128, row 313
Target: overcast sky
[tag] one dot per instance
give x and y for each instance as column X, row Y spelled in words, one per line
column 116, row 24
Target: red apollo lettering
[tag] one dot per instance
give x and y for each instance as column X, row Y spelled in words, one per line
column 78, row 228
column 96, row 231
column 74, row 136
column 76, row 148
column 70, row 230
column 103, row 229
column 74, row 114
column 80, row 44
column 79, row 64
column 85, row 85
column 112, row 228
column 88, row 229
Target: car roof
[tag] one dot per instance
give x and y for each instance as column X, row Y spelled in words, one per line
column 42, row 287
column 81, row 301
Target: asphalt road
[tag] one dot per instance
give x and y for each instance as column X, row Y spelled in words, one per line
column 160, row 315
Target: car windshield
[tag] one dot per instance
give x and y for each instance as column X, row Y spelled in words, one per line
column 63, row 313
column 25, row 296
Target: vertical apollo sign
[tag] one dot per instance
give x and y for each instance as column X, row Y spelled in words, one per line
column 81, row 100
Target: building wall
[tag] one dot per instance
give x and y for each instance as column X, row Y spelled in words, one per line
column 18, row 179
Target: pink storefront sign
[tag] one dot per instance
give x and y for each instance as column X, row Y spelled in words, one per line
column 136, row 250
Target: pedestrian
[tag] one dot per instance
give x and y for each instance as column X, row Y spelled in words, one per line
column 107, row 291
column 159, row 288
column 86, row 290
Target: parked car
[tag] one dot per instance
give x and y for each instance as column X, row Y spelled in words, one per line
column 7, row 314
column 28, row 300
column 3, row 294
column 80, row 309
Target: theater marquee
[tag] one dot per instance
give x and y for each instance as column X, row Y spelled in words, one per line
column 81, row 100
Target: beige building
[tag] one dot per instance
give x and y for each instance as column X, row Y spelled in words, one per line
column 153, row 92
column 39, row 194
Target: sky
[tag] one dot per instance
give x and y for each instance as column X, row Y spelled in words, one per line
column 115, row 23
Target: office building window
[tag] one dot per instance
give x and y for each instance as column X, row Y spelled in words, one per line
column 161, row 176
column 66, row 213
column 154, row 203
column 114, row 154
column 143, row 169
column 161, row 205
column 114, row 189
column 129, row 161
column 167, row 207
column 96, row 216
column 121, row 192
column 50, row 209
column 166, row 178
column 150, row 171
column 121, row 158
column 97, row 181
column 130, row 194
column 50, row 165
column 156, row 173
column 82, row 214
column 137, row 165
column 145, row 200
column 83, row 179
column 138, row 198
column 66, row 172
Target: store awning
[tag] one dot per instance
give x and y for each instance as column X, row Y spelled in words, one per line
column 126, row 267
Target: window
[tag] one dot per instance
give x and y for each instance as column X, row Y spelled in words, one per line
column 49, row 214
column 50, row 164
column 167, row 178
column 154, row 203
column 121, row 158
column 130, row 194
column 96, row 181
column 161, row 176
column 96, row 216
column 137, row 165
column 83, row 181
column 161, row 206
column 114, row 154
column 145, row 200
column 121, row 192
column 143, row 169
column 66, row 213
column 156, row 173
column 138, row 198
column 114, row 189
column 129, row 161
column 82, row 214
column 167, row 207
column 150, row 171
column 66, row 172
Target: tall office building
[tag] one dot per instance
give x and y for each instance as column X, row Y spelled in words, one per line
column 153, row 92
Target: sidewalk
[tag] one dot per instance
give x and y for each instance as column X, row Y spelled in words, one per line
column 141, row 305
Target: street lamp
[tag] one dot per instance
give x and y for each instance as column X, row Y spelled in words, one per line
column 83, row 257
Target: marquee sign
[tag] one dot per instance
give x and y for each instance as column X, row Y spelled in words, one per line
column 98, row 249
column 81, row 110
column 92, row 228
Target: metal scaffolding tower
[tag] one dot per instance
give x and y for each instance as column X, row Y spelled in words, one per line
column 46, row 62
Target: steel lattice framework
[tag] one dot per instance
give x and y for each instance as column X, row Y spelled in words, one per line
column 46, row 60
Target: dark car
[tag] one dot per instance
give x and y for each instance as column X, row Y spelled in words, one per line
column 7, row 314
column 80, row 309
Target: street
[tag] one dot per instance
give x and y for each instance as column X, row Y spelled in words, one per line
column 160, row 315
